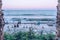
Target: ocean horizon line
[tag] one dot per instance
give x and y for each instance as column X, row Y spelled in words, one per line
column 32, row 9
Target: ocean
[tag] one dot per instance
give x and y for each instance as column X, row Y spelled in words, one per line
column 29, row 14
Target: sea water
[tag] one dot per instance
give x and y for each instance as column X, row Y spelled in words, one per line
column 31, row 13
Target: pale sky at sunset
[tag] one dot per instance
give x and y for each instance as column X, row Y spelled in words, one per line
column 29, row 4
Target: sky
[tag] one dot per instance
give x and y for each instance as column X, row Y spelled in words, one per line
column 29, row 4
